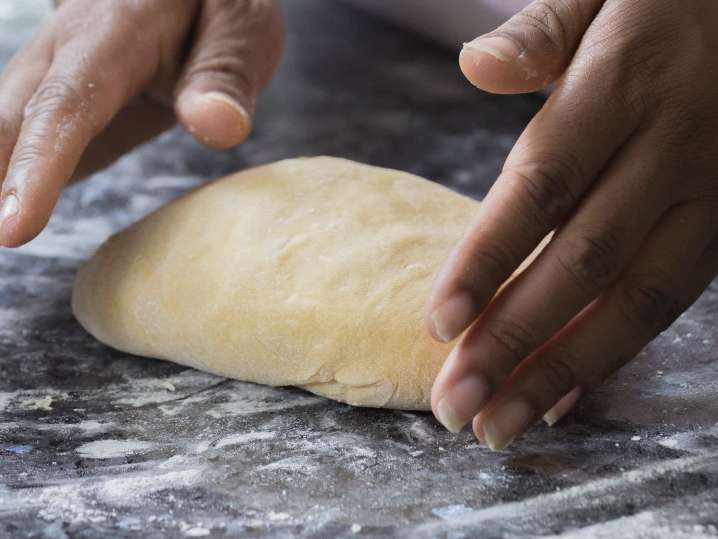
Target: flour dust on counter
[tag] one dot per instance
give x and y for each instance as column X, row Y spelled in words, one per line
column 149, row 455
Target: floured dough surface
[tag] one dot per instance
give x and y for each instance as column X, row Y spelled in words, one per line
column 308, row 272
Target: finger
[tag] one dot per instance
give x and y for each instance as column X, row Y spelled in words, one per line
column 544, row 178
column 653, row 291
column 530, row 50
column 236, row 51
column 72, row 104
column 584, row 258
column 18, row 82
column 563, row 407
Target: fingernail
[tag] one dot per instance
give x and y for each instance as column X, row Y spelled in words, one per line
column 219, row 97
column 462, row 402
column 506, row 423
column 563, row 407
column 453, row 317
column 501, row 48
column 10, row 207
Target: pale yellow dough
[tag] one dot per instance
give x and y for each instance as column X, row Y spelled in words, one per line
column 306, row 272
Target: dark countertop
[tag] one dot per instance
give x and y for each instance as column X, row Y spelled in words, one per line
column 96, row 443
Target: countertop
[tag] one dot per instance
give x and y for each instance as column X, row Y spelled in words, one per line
column 96, row 443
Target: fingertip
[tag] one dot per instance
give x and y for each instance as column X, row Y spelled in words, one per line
column 562, row 407
column 214, row 118
column 9, row 209
column 16, row 225
column 462, row 401
column 444, row 378
column 450, row 318
column 506, row 421
column 477, row 427
column 496, row 65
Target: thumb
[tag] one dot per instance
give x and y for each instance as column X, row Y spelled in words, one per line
column 530, row 50
column 236, row 50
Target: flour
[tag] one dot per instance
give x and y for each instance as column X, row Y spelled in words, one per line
column 44, row 403
column 132, row 490
column 5, row 398
column 450, row 511
column 91, row 427
column 593, row 494
column 243, row 438
column 196, row 532
column 108, row 449
column 263, row 400
column 301, row 465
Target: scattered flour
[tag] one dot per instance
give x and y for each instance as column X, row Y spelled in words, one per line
column 243, row 438
column 88, row 427
column 108, row 449
column 450, row 511
column 131, row 490
column 274, row 401
column 291, row 464
column 5, row 398
column 44, row 403
column 592, row 494
column 196, row 532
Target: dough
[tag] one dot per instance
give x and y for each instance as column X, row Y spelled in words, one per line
column 306, row 272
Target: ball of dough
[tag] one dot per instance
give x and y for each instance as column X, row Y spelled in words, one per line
column 306, row 272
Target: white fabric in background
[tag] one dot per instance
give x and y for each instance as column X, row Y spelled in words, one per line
column 451, row 22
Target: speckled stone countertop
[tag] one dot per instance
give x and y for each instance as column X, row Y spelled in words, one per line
column 95, row 443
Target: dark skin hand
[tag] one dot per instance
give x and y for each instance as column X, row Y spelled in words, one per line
column 621, row 162
column 103, row 76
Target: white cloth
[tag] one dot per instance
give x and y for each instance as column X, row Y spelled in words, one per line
column 452, row 22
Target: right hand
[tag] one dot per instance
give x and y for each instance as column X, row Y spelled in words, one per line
column 101, row 77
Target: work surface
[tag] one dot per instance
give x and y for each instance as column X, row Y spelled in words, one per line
column 95, row 442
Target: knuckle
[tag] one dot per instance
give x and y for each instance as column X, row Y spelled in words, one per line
column 55, row 93
column 27, row 153
column 559, row 374
column 547, row 187
column 232, row 55
column 628, row 50
column 547, row 23
column 495, row 260
column 689, row 127
column 228, row 70
column 648, row 304
column 643, row 71
column 513, row 338
column 64, row 100
column 589, row 258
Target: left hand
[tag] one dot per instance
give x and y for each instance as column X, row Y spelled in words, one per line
column 101, row 77
column 622, row 162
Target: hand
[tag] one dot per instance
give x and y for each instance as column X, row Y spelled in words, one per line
column 101, row 77
column 621, row 162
